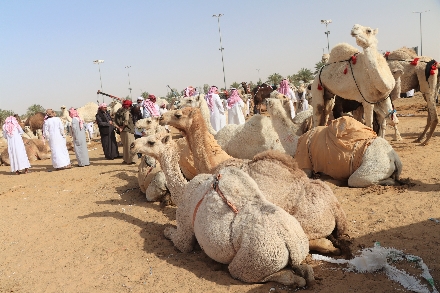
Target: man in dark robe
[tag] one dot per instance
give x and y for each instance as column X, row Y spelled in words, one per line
column 106, row 130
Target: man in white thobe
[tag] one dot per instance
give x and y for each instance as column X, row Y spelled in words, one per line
column 16, row 150
column 216, row 110
column 235, row 108
column 53, row 131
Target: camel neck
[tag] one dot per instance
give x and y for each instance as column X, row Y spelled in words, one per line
column 203, row 146
column 176, row 182
column 378, row 70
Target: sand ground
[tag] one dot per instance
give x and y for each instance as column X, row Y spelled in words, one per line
column 90, row 230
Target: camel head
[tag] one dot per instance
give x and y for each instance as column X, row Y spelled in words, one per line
column 193, row 101
column 181, row 119
column 365, row 36
column 153, row 145
column 147, row 123
column 276, row 107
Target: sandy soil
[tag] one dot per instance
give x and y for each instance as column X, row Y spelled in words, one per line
column 90, row 230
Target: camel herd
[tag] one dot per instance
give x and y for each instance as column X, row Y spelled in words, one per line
column 249, row 194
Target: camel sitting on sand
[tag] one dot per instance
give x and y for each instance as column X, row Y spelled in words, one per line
column 312, row 202
column 232, row 221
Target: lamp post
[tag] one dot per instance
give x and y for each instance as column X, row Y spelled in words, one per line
column 100, row 79
column 221, row 47
column 420, row 13
column 327, row 32
column 129, row 85
column 258, row 74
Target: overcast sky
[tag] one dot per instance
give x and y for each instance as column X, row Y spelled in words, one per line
column 47, row 47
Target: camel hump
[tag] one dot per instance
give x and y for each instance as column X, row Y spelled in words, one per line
column 283, row 158
column 341, row 52
column 403, row 53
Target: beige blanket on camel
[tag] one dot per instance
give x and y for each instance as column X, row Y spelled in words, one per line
column 336, row 149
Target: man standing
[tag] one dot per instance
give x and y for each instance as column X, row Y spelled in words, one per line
column 106, row 130
column 235, row 105
column 127, row 133
column 16, row 149
column 53, row 130
column 216, row 110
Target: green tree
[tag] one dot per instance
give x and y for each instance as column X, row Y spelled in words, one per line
column 235, row 85
column 275, row 79
column 173, row 94
column 34, row 109
column 206, row 88
column 304, row 75
column 5, row 114
column 318, row 66
column 145, row 95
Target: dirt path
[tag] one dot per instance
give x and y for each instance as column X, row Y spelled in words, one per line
column 89, row 230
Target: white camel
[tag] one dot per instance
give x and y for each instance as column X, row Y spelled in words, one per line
column 361, row 76
column 232, row 221
column 418, row 72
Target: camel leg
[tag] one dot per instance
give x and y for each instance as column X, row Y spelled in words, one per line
column 397, row 136
column 368, row 114
column 431, row 122
column 323, row 245
column 287, row 278
column 305, row 271
column 183, row 236
column 317, row 104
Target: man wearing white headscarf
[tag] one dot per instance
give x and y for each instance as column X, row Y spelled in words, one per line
column 235, row 108
column 16, row 150
column 287, row 91
column 216, row 110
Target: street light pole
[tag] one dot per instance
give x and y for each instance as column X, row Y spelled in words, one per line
column 221, row 47
column 327, row 32
column 420, row 13
column 129, row 85
column 258, row 74
column 100, row 79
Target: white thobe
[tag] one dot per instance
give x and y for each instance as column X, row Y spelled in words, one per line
column 235, row 114
column 16, row 150
column 54, row 132
column 217, row 114
column 89, row 128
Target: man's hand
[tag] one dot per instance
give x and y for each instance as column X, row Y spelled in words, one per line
column 111, row 122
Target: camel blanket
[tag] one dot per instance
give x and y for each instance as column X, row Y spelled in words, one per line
column 336, row 149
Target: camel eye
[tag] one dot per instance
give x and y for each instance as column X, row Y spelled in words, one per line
column 148, row 122
column 368, row 31
column 151, row 143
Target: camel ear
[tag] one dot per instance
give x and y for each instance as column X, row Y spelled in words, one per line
column 375, row 31
column 166, row 139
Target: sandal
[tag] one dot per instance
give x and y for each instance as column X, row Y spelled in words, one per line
column 17, row 172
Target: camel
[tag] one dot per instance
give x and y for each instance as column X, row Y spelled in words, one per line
column 35, row 121
column 258, row 131
column 151, row 126
column 151, row 180
column 380, row 164
column 28, row 133
column 35, row 150
column 233, row 222
column 88, row 112
column 419, row 72
column 259, row 94
column 350, row 74
column 295, row 192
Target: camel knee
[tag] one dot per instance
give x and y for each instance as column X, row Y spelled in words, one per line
column 287, row 278
column 323, row 245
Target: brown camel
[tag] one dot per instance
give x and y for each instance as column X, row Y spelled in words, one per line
column 35, row 122
column 260, row 94
column 311, row 201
